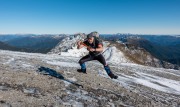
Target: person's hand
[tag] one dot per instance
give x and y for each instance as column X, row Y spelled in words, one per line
column 91, row 49
column 79, row 43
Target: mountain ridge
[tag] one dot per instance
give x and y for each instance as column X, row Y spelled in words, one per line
column 129, row 50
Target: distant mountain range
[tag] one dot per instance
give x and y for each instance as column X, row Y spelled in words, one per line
column 32, row 43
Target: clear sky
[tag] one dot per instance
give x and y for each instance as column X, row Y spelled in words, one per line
column 104, row 16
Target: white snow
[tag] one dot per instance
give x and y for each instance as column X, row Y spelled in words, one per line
column 158, row 83
column 113, row 55
column 27, row 65
column 9, row 61
column 65, row 64
column 75, row 52
column 144, row 75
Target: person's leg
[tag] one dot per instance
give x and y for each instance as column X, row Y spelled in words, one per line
column 102, row 60
column 82, row 63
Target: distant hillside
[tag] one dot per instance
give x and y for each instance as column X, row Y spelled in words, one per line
column 141, row 56
column 33, row 43
column 7, row 37
column 165, row 53
column 165, row 48
column 4, row 46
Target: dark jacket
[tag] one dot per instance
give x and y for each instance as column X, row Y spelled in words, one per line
column 94, row 45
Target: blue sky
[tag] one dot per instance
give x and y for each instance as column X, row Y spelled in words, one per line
column 104, row 16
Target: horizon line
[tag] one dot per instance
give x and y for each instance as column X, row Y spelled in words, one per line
column 81, row 32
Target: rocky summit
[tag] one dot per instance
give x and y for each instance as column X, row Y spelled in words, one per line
column 51, row 80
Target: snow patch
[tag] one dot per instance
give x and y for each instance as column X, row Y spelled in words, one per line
column 9, row 61
column 151, row 81
column 27, row 65
column 65, row 64
column 75, row 52
column 113, row 55
column 145, row 79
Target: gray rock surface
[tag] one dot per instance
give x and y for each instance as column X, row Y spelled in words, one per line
column 23, row 85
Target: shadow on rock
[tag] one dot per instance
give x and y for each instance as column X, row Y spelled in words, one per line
column 53, row 73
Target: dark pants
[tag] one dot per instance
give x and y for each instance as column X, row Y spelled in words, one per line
column 99, row 58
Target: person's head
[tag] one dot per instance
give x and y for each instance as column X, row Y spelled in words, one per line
column 91, row 36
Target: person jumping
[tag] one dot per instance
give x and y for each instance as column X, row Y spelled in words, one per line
column 95, row 48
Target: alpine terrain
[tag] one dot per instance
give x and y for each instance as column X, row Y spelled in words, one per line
column 52, row 80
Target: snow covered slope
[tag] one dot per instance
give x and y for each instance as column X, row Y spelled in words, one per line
column 68, row 47
column 22, row 84
column 113, row 55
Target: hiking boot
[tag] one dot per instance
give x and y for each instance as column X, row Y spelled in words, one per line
column 112, row 76
column 81, row 71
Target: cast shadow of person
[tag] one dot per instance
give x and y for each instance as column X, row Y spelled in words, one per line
column 53, row 73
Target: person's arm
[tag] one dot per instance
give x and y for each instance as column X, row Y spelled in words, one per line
column 100, row 48
column 79, row 45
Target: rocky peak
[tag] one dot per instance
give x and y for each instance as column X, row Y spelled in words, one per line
column 68, row 43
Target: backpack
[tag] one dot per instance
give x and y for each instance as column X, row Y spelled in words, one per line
column 98, row 40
